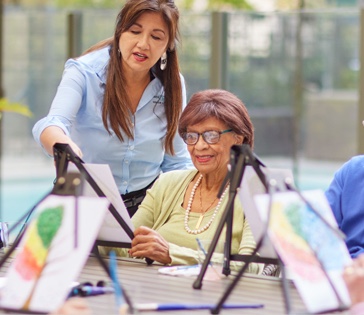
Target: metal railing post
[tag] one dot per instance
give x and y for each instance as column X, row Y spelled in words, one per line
column 74, row 34
column 219, row 51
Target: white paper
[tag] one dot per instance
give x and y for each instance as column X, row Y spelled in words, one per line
column 39, row 277
column 4, row 279
column 110, row 229
column 213, row 273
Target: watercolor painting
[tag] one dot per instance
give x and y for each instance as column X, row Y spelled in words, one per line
column 32, row 258
column 306, row 238
column 52, row 252
column 250, row 186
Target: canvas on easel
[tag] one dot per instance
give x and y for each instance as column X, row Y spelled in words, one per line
column 110, row 232
column 118, row 228
column 52, row 252
column 305, row 235
column 241, row 157
column 250, row 186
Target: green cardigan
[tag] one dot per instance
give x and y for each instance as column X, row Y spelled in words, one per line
column 162, row 211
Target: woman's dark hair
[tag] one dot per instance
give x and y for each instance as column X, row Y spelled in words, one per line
column 116, row 109
column 221, row 105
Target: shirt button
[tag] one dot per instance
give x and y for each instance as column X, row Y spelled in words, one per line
column 131, row 147
column 126, row 162
column 125, row 183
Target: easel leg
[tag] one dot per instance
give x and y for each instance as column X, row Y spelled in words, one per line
column 95, row 251
column 11, row 249
column 226, row 270
column 198, row 282
column 285, row 288
column 217, row 308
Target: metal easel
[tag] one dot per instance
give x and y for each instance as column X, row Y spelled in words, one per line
column 240, row 157
column 63, row 154
column 67, row 184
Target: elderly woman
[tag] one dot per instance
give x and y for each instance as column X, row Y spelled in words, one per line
column 183, row 205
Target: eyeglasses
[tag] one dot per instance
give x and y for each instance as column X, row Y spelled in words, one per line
column 209, row 136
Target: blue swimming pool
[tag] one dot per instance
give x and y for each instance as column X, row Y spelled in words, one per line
column 19, row 196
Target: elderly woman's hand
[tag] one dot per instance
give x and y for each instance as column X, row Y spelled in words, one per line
column 354, row 278
column 149, row 243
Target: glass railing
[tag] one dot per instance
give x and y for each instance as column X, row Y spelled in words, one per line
column 297, row 74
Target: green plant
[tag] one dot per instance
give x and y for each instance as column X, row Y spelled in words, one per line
column 7, row 106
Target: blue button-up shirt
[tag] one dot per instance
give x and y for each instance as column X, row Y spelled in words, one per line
column 77, row 110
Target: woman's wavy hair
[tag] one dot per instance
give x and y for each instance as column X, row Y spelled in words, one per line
column 116, row 109
column 222, row 105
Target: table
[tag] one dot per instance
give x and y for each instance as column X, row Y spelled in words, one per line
column 144, row 284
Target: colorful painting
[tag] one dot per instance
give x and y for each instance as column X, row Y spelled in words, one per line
column 306, row 238
column 250, row 186
column 32, row 257
column 49, row 259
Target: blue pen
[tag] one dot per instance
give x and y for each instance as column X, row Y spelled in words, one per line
column 205, row 254
column 120, row 300
column 180, row 307
column 202, row 249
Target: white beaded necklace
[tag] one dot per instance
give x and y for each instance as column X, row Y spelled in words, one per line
column 188, row 210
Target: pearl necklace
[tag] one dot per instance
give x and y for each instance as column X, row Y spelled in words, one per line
column 188, row 210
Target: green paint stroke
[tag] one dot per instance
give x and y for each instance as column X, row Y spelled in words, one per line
column 294, row 218
column 48, row 223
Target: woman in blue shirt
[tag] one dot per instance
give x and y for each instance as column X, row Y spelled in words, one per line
column 120, row 102
column 345, row 196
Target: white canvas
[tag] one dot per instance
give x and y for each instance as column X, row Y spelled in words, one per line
column 110, row 230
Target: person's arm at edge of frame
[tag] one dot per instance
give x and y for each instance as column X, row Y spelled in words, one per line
column 333, row 195
column 353, row 276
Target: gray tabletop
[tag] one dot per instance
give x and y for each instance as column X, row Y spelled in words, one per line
column 144, row 284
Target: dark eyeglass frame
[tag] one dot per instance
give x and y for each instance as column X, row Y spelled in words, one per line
column 203, row 134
